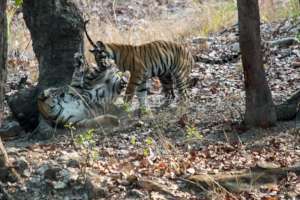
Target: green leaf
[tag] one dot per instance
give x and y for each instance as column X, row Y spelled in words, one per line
column 18, row 2
column 133, row 140
column 149, row 141
column 146, row 152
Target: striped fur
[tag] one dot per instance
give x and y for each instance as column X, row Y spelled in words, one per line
column 86, row 98
column 169, row 61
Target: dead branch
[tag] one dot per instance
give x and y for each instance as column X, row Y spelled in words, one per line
column 244, row 180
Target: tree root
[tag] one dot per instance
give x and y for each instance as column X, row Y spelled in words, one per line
column 289, row 109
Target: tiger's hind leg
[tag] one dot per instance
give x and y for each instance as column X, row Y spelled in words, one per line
column 181, row 84
column 141, row 92
column 167, row 88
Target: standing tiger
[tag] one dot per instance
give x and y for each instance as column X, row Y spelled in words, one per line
column 169, row 61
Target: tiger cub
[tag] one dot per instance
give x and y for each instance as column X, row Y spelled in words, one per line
column 169, row 61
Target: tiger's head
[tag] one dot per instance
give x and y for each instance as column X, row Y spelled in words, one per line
column 58, row 106
column 100, row 50
column 66, row 104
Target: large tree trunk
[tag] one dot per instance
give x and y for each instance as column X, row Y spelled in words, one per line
column 56, row 32
column 260, row 110
column 3, row 55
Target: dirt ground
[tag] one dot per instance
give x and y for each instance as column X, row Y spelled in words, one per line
column 153, row 157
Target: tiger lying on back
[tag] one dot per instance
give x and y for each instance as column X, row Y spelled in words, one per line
column 169, row 61
column 87, row 99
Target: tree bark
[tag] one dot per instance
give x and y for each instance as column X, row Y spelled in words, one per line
column 260, row 110
column 7, row 172
column 56, row 31
column 3, row 55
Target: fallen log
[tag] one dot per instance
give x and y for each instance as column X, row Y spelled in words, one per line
column 244, row 180
column 284, row 42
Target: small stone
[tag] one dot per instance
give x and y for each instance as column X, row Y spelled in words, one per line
column 52, row 173
column 235, row 47
column 26, row 173
column 11, row 129
column 58, row 185
column 42, row 169
column 94, row 188
column 139, row 123
column 35, row 181
column 72, row 159
column 73, row 163
column 191, row 170
column 21, row 164
column 135, row 194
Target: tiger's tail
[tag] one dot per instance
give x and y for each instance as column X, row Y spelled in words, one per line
column 87, row 35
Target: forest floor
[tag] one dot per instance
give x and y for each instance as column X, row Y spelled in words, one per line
column 159, row 155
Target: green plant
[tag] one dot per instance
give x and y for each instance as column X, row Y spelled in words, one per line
column 18, row 2
column 127, row 107
column 88, row 145
column 192, row 132
column 133, row 140
column 144, row 110
column 147, row 149
column 86, row 139
column 148, row 142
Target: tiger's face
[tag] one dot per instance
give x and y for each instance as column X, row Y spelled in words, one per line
column 60, row 106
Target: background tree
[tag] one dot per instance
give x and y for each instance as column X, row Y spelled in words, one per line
column 56, row 32
column 7, row 173
column 3, row 54
column 260, row 110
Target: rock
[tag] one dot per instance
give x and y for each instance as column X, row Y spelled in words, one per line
column 135, row 194
column 235, row 47
column 21, row 165
column 73, row 163
column 42, row 169
column 35, row 181
column 72, row 159
column 11, row 129
column 4, row 174
column 58, row 185
column 52, row 173
column 94, row 187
